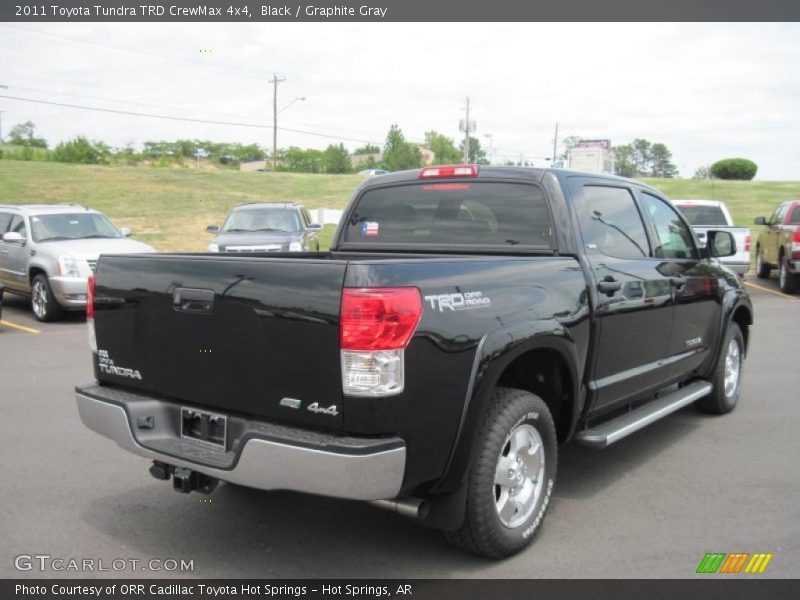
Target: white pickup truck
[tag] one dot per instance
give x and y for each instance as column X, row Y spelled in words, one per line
column 713, row 214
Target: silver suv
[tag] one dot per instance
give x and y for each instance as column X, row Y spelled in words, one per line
column 47, row 252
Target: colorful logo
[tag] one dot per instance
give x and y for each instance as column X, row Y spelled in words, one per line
column 734, row 563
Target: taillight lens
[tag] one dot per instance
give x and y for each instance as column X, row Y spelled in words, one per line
column 449, row 171
column 747, row 243
column 90, row 313
column 379, row 318
column 796, row 244
column 375, row 327
column 90, row 297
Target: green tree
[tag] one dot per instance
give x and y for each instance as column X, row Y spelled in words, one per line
column 337, row 159
column 641, row 155
column 624, row 163
column 443, row 148
column 703, row 172
column 398, row 154
column 300, row 160
column 82, row 151
column 734, row 168
column 368, row 149
column 477, row 155
column 568, row 143
column 23, row 134
column 661, row 161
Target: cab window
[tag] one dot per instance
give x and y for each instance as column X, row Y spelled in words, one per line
column 611, row 223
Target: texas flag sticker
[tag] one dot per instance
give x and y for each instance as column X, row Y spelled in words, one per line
column 370, row 229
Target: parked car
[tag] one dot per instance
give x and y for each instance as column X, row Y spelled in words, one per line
column 466, row 321
column 704, row 215
column 778, row 246
column 373, row 172
column 48, row 251
column 266, row 227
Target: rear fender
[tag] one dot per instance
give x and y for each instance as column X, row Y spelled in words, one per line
column 496, row 351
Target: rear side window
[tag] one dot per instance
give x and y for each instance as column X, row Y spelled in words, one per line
column 795, row 220
column 452, row 213
column 611, row 223
column 18, row 225
column 703, row 215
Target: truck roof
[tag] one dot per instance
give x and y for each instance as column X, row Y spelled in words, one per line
column 47, row 208
column 487, row 171
column 251, row 205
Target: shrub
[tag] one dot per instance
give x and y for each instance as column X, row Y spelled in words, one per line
column 734, row 168
column 80, row 150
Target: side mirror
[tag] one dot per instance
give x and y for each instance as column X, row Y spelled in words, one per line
column 721, row 243
column 125, row 231
column 13, row 237
column 760, row 221
column 314, row 227
column 212, row 229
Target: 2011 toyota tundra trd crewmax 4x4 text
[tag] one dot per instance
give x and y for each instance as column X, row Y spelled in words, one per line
column 466, row 321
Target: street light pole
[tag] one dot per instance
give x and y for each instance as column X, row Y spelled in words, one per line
column 275, row 81
column 491, row 142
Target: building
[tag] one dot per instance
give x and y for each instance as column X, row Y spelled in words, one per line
column 592, row 156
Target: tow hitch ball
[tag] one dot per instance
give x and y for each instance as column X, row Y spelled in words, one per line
column 183, row 480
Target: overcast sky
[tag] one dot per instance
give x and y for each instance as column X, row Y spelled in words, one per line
column 708, row 91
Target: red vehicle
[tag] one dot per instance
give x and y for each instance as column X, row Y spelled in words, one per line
column 778, row 246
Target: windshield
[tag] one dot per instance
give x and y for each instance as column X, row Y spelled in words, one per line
column 72, row 226
column 263, row 219
column 452, row 213
column 703, row 215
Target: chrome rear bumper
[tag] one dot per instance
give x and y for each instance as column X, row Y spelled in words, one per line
column 352, row 468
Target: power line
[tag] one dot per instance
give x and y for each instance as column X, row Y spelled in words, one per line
column 186, row 119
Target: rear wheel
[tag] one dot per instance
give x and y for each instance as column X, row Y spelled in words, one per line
column 43, row 303
column 727, row 378
column 511, row 477
column 762, row 268
column 786, row 280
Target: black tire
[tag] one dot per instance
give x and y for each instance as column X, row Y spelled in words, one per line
column 786, row 281
column 763, row 270
column 43, row 303
column 721, row 401
column 483, row 533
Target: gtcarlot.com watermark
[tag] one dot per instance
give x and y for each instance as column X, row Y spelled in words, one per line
column 48, row 563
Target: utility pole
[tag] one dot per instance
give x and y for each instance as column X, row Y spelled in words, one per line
column 467, row 127
column 555, row 145
column 466, row 135
column 275, row 81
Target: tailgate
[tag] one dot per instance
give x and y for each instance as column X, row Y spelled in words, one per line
column 234, row 334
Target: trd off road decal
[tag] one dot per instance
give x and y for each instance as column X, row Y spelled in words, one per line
column 458, row 301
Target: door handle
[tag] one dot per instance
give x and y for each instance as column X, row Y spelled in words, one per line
column 193, row 300
column 677, row 282
column 609, row 285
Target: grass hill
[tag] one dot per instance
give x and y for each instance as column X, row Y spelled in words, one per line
column 171, row 207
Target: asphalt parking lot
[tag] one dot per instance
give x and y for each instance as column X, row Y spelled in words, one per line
column 651, row 505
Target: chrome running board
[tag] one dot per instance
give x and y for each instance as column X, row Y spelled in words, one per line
column 614, row 430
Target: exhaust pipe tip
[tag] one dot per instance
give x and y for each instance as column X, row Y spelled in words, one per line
column 416, row 508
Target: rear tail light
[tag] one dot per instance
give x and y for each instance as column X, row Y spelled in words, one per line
column 747, row 243
column 449, row 171
column 375, row 327
column 796, row 244
column 90, row 313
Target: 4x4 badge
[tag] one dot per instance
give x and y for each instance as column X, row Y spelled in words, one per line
column 331, row 410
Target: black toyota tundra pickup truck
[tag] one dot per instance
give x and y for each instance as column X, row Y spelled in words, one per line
column 466, row 322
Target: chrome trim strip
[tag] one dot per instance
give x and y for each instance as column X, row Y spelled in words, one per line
column 616, row 429
column 269, row 465
column 642, row 369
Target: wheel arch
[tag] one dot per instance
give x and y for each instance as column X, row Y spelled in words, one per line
column 542, row 360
